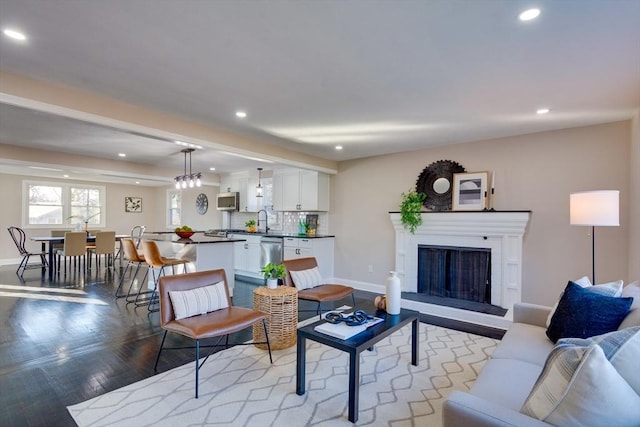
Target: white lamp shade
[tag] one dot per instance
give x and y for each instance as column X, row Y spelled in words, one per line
column 595, row 208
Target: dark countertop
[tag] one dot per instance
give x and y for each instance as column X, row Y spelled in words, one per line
column 194, row 240
column 282, row 235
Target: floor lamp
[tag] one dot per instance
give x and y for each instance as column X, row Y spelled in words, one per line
column 594, row 208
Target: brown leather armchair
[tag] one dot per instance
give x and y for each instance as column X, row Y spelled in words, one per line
column 321, row 293
column 219, row 323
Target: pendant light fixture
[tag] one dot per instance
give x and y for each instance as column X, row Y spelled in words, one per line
column 191, row 179
column 259, row 188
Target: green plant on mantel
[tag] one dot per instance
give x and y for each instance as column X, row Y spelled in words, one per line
column 411, row 210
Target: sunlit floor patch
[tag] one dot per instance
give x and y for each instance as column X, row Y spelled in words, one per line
column 61, row 298
column 41, row 289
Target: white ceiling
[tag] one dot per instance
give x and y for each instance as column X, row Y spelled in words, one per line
column 373, row 76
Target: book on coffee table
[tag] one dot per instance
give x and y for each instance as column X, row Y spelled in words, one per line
column 344, row 331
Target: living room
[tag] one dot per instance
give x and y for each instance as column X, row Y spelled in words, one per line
column 535, row 171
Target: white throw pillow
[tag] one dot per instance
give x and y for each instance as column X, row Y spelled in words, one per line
column 611, row 289
column 305, row 279
column 633, row 318
column 579, row 386
column 199, row 300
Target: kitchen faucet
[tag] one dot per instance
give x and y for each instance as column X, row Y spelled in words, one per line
column 266, row 220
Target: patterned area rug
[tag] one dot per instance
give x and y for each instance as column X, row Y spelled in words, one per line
column 238, row 386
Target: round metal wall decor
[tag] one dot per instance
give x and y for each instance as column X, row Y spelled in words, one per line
column 202, row 203
column 436, row 181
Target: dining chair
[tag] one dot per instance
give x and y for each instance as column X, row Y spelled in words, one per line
column 19, row 238
column 74, row 248
column 105, row 244
column 156, row 261
column 303, row 274
column 133, row 257
column 198, row 306
column 136, row 234
column 58, row 233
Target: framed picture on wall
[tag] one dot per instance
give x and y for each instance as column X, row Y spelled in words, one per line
column 470, row 191
column 133, row 204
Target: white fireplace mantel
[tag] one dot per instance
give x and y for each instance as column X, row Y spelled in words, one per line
column 500, row 231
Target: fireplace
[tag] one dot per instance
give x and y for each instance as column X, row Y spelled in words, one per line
column 498, row 234
column 455, row 272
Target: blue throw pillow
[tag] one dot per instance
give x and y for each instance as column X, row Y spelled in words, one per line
column 583, row 313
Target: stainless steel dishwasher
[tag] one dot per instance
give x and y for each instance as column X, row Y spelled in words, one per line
column 270, row 250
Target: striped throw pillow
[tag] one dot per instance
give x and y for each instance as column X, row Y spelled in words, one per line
column 305, row 279
column 589, row 382
column 199, row 300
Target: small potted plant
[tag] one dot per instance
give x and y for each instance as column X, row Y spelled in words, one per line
column 84, row 219
column 411, row 210
column 272, row 273
column 251, row 225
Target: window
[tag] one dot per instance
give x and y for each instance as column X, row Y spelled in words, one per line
column 45, row 205
column 55, row 204
column 174, row 206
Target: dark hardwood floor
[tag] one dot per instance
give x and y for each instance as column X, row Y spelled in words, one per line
column 69, row 340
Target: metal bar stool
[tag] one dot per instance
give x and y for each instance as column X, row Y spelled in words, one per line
column 156, row 261
column 133, row 257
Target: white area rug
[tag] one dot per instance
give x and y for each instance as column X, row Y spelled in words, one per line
column 238, row 386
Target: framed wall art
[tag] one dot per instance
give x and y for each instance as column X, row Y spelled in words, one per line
column 133, row 204
column 470, row 191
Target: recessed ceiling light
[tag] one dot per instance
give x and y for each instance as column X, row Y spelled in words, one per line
column 338, row 147
column 137, row 182
column 542, row 111
column 65, row 176
column 122, row 155
column 14, row 34
column 241, row 114
column 529, row 14
column 212, row 169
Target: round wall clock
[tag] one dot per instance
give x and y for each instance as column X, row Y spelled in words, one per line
column 202, row 203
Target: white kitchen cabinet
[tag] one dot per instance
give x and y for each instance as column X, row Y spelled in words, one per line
column 320, row 248
column 300, row 190
column 246, row 255
column 245, row 184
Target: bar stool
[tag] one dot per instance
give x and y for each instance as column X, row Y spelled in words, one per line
column 133, row 257
column 74, row 246
column 156, row 261
column 136, row 235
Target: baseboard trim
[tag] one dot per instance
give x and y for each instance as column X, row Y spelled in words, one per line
column 437, row 310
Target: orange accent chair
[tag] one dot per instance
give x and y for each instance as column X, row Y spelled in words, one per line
column 219, row 323
column 321, row 293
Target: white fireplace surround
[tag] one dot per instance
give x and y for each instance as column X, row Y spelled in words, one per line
column 500, row 231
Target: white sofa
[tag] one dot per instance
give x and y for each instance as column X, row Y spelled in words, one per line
column 507, row 378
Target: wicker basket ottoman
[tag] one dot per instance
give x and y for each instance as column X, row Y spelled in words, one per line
column 281, row 307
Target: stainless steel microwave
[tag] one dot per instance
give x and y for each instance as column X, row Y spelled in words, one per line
column 228, row 201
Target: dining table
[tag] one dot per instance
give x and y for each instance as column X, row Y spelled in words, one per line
column 52, row 241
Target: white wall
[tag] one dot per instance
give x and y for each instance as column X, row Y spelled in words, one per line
column 634, row 208
column 153, row 215
column 534, row 172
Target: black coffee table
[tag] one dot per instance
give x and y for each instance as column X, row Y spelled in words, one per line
column 354, row 346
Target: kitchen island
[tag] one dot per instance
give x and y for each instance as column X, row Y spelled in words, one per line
column 202, row 252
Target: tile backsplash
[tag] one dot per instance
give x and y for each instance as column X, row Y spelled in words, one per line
column 285, row 222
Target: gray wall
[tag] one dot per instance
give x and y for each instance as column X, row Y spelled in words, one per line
column 535, row 172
